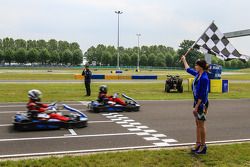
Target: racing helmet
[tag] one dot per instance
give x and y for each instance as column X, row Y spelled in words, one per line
column 35, row 94
column 103, row 89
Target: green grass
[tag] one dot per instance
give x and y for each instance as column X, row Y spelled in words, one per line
column 43, row 74
column 220, row 155
column 11, row 92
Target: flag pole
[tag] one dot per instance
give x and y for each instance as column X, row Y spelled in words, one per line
column 197, row 40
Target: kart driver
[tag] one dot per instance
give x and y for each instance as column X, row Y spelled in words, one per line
column 103, row 97
column 38, row 109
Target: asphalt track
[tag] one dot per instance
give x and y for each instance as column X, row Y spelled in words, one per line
column 158, row 124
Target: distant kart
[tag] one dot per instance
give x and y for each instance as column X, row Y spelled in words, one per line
column 109, row 106
column 174, row 83
column 27, row 121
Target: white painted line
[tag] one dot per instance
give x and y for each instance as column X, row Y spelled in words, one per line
column 130, row 120
column 73, row 133
column 117, row 119
column 169, row 140
column 123, row 117
column 6, row 125
column 8, row 112
column 213, row 142
column 151, row 138
column 76, row 151
column 159, row 135
column 134, row 129
column 128, row 126
column 65, row 137
column 111, row 117
column 161, row 144
column 112, row 113
column 150, row 131
column 143, row 134
column 119, row 115
column 135, row 123
column 122, row 122
column 142, row 127
column 90, row 122
column 85, row 103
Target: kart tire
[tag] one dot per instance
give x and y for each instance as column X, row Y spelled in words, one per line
column 180, row 90
column 167, row 88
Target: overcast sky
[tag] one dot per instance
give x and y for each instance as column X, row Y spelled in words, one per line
column 92, row 22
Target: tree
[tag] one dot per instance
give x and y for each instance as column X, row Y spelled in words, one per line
column 32, row 55
column 133, row 59
column 221, row 62
column 63, row 45
column 52, row 45
column 228, row 64
column 151, row 59
column 169, row 60
column 160, row 60
column 77, row 57
column 20, row 56
column 41, row 44
column 54, row 57
column 31, row 44
column 44, row 56
column 234, row 64
column 1, row 44
column 125, row 59
column 107, row 58
column 74, row 46
column 240, row 64
column 9, row 56
column 20, row 43
column 193, row 54
column 8, row 43
column 67, row 57
column 143, row 60
column 1, row 56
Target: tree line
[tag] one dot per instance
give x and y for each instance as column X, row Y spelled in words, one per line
column 51, row 52
column 155, row 56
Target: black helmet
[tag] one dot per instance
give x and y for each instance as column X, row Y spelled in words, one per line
column 103, row 88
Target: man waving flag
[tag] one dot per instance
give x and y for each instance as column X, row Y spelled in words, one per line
column 212, row 41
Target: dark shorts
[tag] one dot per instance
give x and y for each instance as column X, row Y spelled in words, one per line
column 201, row 116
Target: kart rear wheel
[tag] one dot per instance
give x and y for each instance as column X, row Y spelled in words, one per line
column 180, row 89
column 167, row 88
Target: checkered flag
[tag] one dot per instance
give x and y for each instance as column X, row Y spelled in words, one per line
column 214, row 42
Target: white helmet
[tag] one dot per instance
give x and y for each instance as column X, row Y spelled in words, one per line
column 34, row 94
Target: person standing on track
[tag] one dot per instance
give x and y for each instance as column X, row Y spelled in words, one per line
column 87, row 79
column 200, row 89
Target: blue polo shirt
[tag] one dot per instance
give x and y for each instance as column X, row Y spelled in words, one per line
column 200, row 86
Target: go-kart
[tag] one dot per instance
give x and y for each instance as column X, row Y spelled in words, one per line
column 174, row 83
column 110, row 106
column 31, row 121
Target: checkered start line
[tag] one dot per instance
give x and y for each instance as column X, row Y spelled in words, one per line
column 159, row 140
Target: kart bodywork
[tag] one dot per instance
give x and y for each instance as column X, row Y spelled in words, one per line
column 131, row 105
column 24, row 121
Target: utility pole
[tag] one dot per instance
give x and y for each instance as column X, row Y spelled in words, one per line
column 118, row 39
column 138, row 56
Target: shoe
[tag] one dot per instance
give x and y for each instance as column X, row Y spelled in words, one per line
column 202, row 150
column 195, row 148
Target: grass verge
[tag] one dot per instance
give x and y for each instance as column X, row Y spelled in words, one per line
column 11, row 92
column 219, row 155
